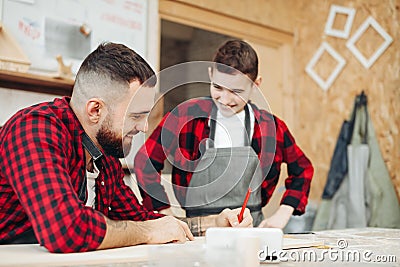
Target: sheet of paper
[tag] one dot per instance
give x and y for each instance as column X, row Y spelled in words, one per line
column 25, row 1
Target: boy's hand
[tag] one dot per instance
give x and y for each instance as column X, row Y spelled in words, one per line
column 279, row 219
column 229, row 218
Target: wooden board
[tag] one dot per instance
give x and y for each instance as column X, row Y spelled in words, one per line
column 290, row 242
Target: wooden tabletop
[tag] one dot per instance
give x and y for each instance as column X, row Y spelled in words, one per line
column 349, row 247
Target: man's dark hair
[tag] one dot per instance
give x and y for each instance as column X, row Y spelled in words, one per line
column 107, row 73
column 239, row 55
column 118, row 62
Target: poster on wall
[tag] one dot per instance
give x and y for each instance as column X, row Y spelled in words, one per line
column 73, row 28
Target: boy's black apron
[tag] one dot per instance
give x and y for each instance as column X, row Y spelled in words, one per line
column 223, row 176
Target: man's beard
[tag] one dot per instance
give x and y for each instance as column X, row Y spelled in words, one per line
column 109, row 141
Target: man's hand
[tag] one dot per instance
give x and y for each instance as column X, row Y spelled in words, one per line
column 167, row 229
column 229, row 217
column 279, row 219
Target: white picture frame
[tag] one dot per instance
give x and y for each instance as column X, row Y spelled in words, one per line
column 350, row 12
column 325, row 84
column 350, row 44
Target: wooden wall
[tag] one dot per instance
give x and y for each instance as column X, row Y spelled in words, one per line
column 319, row 114
column 323, row 112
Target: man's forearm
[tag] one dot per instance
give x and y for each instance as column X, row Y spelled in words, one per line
column 124, row 233
column 157, row 231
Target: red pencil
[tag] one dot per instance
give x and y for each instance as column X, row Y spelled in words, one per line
column 240, row 216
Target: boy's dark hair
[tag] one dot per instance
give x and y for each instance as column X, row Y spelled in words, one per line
column 239, row 55
column 120, row 63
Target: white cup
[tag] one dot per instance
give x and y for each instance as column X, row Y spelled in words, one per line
column 247, row 248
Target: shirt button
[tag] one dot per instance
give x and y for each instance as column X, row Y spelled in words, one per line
column 102, row 183
column 109, row 208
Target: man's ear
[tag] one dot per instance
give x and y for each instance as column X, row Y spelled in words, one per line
column 258, row 81
column 95, row 108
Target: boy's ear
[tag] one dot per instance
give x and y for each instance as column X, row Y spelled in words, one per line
column 210, row 72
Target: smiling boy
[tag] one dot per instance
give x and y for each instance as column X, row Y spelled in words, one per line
column 221, row 146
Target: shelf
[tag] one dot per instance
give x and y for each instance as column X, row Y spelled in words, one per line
column 35, row 83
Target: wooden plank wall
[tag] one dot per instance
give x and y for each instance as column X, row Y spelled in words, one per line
column 319, row 114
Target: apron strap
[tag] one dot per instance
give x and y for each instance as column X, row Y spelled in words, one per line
column 96, row 154
column 93, row 150
column 213, row 125
column 247, row 132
